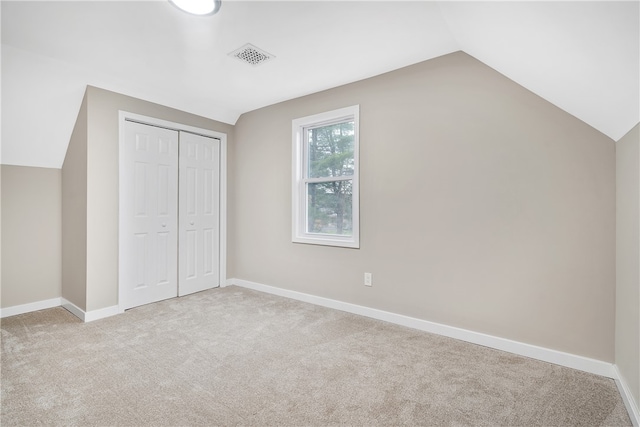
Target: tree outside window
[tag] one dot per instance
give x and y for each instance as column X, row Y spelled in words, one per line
column 329, row 202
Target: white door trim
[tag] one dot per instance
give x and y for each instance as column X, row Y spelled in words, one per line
column 125, row 115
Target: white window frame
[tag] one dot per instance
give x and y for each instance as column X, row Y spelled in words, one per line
column 300, row 180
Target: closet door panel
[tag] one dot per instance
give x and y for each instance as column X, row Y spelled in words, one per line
column 199, row 213
column 149, row 215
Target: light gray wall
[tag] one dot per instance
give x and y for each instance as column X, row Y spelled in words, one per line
column 628, row 260
column 102, row 183
column 31, row 234
column 0, row 236
column 482, row 206
column 74, row 213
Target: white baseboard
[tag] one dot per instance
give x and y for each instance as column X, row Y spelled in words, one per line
column 89, row 316
column 33, row 306
column 581, row 363
column 60, row 302
column 627, row 397
column 101, row 313
column 73, row 309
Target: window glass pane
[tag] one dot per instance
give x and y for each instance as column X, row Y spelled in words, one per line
column 329, row 208
column 330, row 150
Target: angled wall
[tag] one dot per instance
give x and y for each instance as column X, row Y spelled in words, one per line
column 74, row 213
column 628, row 261
column 483, row 207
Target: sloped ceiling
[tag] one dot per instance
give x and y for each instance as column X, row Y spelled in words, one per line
column 581, row 56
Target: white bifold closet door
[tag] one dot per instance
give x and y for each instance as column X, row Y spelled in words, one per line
column 199, row 214
column 170, row 224
column 149, row 226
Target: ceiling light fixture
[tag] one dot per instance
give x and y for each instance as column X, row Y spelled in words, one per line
column 198, row 7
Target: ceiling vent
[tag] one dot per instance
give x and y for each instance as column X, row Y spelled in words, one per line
column 251, row 55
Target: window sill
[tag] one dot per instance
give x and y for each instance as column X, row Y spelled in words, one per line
column 349, row 243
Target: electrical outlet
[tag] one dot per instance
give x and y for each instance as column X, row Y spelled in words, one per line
column 367, row 279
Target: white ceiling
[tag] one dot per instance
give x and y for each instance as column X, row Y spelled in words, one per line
column 582, row 56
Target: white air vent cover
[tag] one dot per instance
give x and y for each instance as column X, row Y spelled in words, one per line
column 251, row 54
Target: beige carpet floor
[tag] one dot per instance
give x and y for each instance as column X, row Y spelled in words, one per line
column 232, row 356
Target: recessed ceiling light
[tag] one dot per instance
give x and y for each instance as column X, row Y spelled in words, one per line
column 198, row 7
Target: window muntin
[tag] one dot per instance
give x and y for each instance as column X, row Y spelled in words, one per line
column 325, row 182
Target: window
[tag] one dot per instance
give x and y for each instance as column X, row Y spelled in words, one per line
column 325, row 179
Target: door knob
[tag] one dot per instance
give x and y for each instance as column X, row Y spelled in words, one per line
column 164, row 224
column 190, row 222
